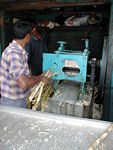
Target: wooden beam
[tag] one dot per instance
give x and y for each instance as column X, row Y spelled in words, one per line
column 48, row 4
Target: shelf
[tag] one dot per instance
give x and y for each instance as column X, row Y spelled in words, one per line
column 76, row 28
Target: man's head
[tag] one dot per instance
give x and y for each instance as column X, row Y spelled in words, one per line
column 22, row 30
column 36, row 33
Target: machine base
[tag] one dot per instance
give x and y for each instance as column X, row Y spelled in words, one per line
column 66, row 100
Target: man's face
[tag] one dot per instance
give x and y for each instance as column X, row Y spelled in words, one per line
column 34, row 31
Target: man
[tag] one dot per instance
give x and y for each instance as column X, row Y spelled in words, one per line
column 15, row 76
column 35, row 49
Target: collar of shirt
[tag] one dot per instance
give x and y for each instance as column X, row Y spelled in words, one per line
column 34, row 37
column 20, row 48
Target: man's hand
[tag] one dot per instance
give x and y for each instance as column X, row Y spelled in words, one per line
column 44, row 78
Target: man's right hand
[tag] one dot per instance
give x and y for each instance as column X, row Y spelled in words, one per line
column 44, row 78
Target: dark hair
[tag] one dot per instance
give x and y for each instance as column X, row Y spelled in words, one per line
column 21, row 29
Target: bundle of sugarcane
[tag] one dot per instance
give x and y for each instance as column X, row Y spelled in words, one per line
column 40, row 93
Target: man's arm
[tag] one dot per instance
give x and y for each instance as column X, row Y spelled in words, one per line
column 26, row 82
column 20, row 74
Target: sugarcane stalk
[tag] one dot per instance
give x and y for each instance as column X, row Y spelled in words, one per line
column 47, row 93
column 35, row 91
column 35, row 106
column 43, row 107
column 40, row 92
column 37, row 88
column 103, row 136
column 33, row 101
column 36, row 96
column 55, row 74
column 48, row 74
column 45, row 97
column 28, row 104
column 34, row 87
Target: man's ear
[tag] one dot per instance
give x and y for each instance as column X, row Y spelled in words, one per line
column 28, row 35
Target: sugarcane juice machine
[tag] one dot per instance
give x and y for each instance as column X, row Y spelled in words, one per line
column 69, row 64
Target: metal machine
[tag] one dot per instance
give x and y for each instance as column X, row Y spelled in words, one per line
column 71, row 67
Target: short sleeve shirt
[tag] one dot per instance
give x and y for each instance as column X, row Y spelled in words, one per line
column 13, row 64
